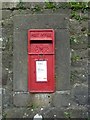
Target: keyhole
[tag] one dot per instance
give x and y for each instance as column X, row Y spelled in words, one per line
column 41, row 55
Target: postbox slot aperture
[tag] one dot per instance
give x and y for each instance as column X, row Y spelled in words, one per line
column 41, row 41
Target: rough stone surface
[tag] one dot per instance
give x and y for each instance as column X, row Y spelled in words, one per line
column 6, row 14
column 0, row 6
column 42, row 100
column 82, row 53
column 17, row 113
column 75, row 27
column 7, row 67
column 78, row 112
column 48, row 112
column 22, row 99
column 25, row 22
column 7, row 97
column 80, row 63
column 78, row 31
column 89, row 52
column 73, row 112
column 0, row 69
column 80, row 94
column 31, row 4
column 79, row 75
column 7, row 28
column 0, row 102
column 54, row 113
column 5, row 59
column 4, row 76
column 43, row 11
column 61, row 99
column 9, row 4
column 88, row 68
column 62, row 60
column 20, row 61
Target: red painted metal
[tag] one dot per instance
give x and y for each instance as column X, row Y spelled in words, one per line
column 41, row 51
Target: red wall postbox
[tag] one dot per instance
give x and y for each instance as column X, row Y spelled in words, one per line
column 41, row 60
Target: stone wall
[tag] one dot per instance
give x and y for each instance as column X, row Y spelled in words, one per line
column 71, row 97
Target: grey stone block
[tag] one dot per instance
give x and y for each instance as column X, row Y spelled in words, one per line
column 22, row 99
column 61, row 99
column 7, row 28
column 42, row 100
column 82, row 43
column 25, row 22
column 0, row 6
column 53, row 113
column 79, row 94
column 48, row 112
column 21, row 12
column 7, row 97
column 79, row 74
column 6, row 59
column 17, row 112
column 69, row 113
column 66, row 12
column 82, row 54
column 0, row 69
column 62, row 60
column 33, row 4
column 80, row 63
column 88, row 68
column 76, row 28
column 26, row 100
column 79, row 46
column 9, row 4
column 88, row 54
column 43, row 11
column 4, row 76
column 78, row 112
column 6, row 14
column 20, row 61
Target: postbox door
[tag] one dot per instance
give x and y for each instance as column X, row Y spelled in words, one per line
column 41, row 82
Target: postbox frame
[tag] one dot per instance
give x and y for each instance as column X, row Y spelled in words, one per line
column 47, row 58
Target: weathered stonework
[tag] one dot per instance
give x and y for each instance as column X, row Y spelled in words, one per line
column 71, row 96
